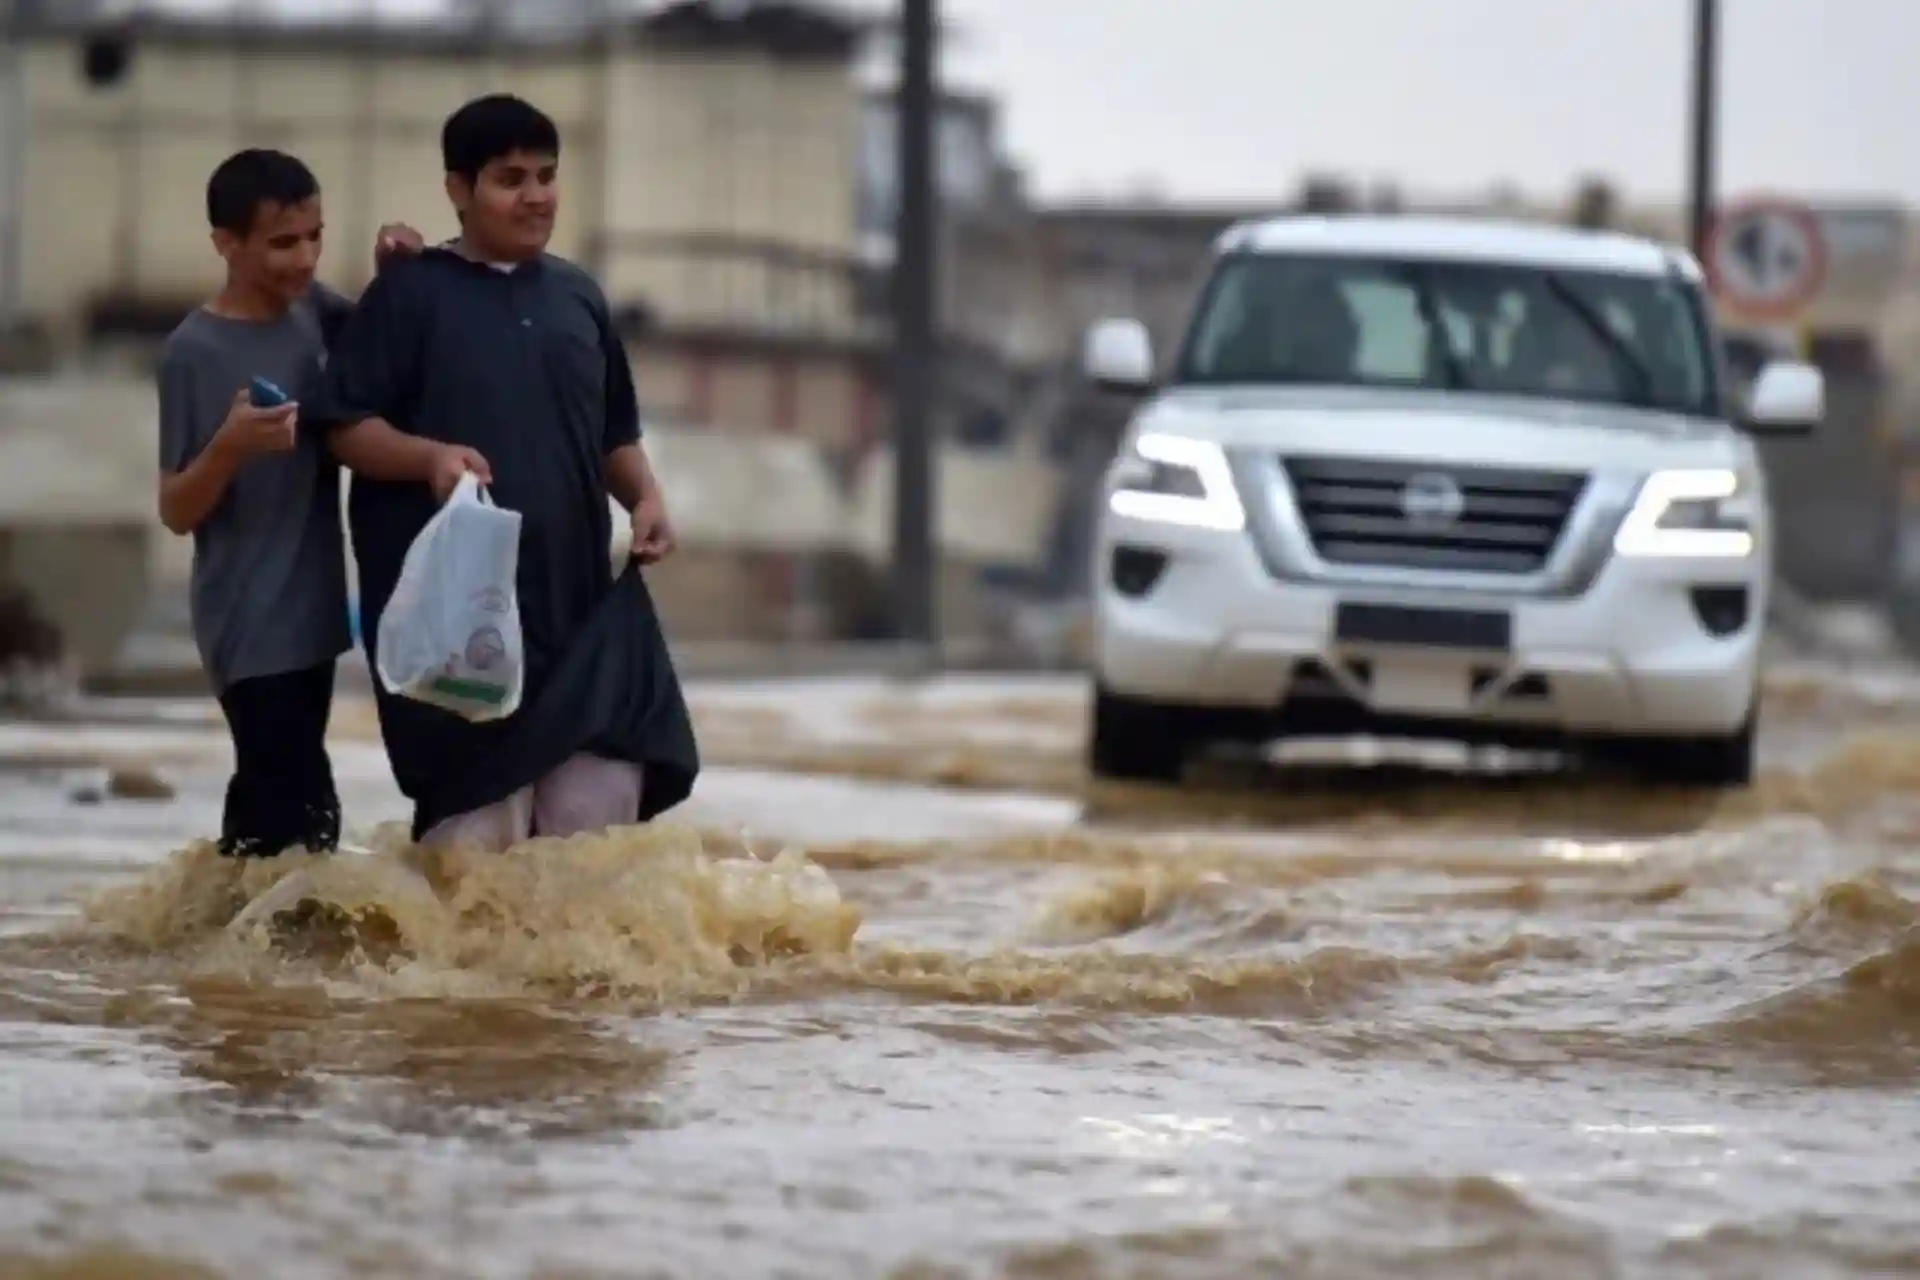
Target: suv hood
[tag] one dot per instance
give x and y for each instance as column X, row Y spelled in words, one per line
column 1427, row 427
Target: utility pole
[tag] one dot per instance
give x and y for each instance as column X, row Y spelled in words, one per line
column 1705, row 121
column 915, row 331
column 14, row 132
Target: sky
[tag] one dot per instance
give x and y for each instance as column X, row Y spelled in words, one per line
column 1232, row 100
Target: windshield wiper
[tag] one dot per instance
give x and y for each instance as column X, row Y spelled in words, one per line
column 1437, row 330
column 1624, row 356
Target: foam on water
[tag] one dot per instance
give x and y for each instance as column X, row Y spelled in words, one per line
column 642, row 911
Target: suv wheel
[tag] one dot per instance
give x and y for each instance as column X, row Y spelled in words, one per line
column 1132, row 740
column 1726, row 761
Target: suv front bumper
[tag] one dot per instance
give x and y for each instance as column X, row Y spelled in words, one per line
column 1660, row 647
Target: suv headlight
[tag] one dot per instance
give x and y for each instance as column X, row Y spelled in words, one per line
column 1706, row 513
column 1176, row 480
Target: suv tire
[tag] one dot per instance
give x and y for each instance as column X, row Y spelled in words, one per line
column 1721, row 761
column 1132, row 740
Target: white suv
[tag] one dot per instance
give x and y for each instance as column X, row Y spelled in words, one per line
column 1446, row 479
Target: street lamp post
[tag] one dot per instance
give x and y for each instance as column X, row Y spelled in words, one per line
column 13, row 145
column 915, row 337
column 1705, row 123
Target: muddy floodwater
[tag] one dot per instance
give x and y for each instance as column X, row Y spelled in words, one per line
column 898, row 994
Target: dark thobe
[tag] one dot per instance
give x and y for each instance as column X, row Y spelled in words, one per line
column 523, row 366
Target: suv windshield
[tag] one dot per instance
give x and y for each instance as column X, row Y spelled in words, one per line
column 1498, row 329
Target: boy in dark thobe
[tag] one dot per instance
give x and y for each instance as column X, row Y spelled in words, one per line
column 262, row 500
column 489, row 355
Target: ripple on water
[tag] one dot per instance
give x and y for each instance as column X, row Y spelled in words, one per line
column 1285, row 955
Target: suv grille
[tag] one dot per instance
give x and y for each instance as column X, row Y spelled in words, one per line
column 1440, row 516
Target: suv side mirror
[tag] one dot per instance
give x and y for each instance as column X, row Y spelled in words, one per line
column 1788, row 398
column 1118, row 356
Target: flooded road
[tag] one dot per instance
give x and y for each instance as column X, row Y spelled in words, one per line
column 898, row 994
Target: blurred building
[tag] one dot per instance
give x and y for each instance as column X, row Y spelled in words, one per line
column 708, row 153
column 994, row 338
column 999, row 362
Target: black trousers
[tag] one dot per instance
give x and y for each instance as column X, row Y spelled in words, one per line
column 281, row 795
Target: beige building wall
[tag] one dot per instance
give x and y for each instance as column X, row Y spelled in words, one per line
column 697, row 144
column 115, row 177
column 716, row 187
column 732, row 148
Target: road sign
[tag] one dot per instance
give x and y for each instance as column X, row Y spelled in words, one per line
column 1766, row 258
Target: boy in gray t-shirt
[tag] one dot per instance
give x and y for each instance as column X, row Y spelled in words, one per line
column 261, row 499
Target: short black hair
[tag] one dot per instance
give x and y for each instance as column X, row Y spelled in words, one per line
column 494, row 126
column 248, row 179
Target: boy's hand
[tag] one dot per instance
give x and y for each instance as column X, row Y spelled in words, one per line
column 250, row 430
column 451, row 462
column 396, row 240
column 653, row 537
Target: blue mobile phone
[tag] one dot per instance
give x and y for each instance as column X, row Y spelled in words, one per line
column 266, row 395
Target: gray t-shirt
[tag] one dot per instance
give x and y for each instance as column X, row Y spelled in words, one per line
column 269, row 567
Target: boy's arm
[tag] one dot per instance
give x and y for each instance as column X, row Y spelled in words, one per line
column 194, row 480
column 628, row 476
column 631, row 481
column 374, row 361
column 628, row 473
column 394, row 241
column 332, row 309
column 378, row 450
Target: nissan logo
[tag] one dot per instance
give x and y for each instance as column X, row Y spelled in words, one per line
column 1432, row 500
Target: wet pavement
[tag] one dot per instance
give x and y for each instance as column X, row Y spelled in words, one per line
column 900, row 994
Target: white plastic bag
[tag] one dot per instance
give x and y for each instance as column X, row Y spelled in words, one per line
column 450, row 636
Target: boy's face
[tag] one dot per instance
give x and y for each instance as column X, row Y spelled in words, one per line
column 280, row 251
column 509, row 209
